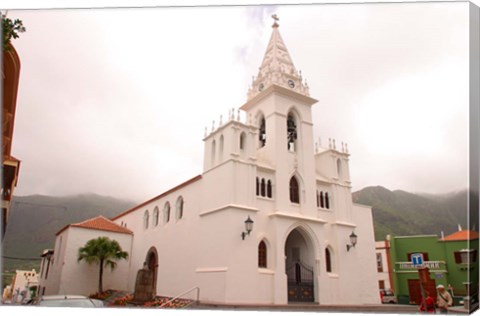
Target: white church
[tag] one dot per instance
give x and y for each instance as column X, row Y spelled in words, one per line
column 270, row 220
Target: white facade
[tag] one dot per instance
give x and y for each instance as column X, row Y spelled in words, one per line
column 61, row 273
column 21, row 284
column 298, row 196
column 383, row 268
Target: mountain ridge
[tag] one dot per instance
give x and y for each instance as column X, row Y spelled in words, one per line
column 403, row 213
column 396, row 212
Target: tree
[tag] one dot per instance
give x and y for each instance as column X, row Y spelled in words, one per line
column 103, row 251
column 10, row 30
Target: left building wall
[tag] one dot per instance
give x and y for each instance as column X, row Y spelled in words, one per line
column 68, row 276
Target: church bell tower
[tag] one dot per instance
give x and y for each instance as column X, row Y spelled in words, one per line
column 279, row 105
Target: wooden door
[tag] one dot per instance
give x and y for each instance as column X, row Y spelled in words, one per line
column 415, row 293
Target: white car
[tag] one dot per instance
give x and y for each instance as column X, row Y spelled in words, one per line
column 388, row 297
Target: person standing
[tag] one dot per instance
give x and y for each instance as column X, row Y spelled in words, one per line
column 427, row 305
column 444, row 299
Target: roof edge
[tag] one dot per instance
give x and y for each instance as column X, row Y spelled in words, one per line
column 192, row 180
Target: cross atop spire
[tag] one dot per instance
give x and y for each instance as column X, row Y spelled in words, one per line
column 277, row 67
column 275, row 19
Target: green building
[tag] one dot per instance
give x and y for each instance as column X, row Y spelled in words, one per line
column 452, row 261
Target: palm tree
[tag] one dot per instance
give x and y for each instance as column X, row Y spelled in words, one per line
column 103, row 251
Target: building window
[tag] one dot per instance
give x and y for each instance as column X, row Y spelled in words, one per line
column 328, row 260
column 262, row 133
column 166, row 213
column 323, row 200
column 339, row 167
column 263, row 187
column 381, row 284
column 145, row 219
column 179, row 212
column 242, row 141
column 466, row 256
column 294, row 191
column 262, row 255
column 291, row 132
column 155, row 216
column 220, row 151
column 213, row 152
column 379, row 262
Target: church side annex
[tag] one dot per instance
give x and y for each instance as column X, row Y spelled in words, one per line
column 264, row 171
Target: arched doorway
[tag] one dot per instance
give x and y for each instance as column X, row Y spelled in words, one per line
column 299, row 266
column 152, row 265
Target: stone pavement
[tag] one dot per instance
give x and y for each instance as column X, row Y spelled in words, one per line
column 312, row 307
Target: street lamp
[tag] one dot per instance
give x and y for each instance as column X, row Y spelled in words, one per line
column 248, row 227
column 353, row 241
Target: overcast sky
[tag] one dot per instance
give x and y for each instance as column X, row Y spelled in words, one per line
column 115, row 101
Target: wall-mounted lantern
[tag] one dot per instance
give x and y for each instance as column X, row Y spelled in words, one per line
column 248, row 227
column 353, row 241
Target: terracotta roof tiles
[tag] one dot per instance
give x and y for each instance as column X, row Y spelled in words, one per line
column 100, row 223
column 462, row 235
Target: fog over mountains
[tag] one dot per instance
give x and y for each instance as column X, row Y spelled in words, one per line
column 34, row 220
column 402, row 213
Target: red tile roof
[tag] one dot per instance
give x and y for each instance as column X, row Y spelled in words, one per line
column 462, row 235
column 100, row 223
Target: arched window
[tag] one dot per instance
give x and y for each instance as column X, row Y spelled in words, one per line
column 294, row 191
column 262, row 132
column 327, row 201
column 155, row 216
column 339, row 167
column 262, row 187
column 328, row 260
column 291, row 132
column 166, row 212
column 242, row 141
column 213, row 152
column 269, row 188
column 258, row 187
column 262, row 255
column 220, row 149
column 179, row 212
column 145, row 219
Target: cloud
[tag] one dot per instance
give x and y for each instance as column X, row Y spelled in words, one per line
column 115, row 101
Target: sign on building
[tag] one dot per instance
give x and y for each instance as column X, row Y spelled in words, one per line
column 417, row 260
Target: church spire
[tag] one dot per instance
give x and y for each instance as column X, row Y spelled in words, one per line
column 277, row 67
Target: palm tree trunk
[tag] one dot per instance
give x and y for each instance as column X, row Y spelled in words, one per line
column 100, row 278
